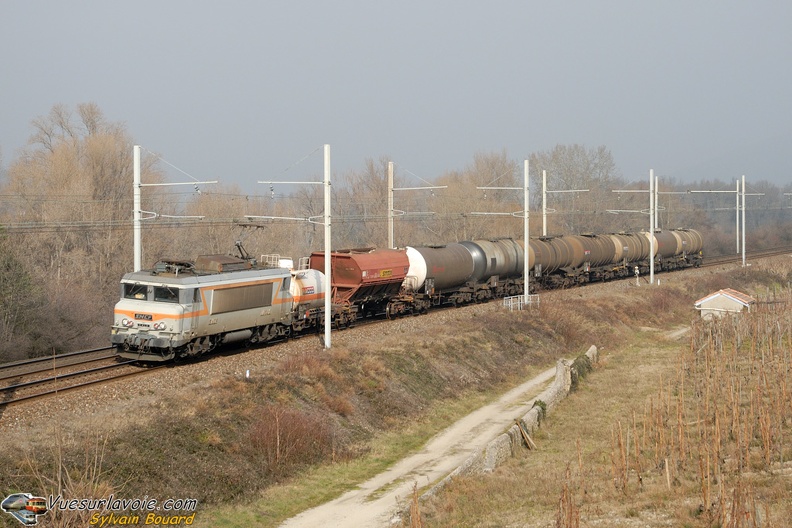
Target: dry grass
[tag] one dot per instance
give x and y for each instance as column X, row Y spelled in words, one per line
column 237, row 439
column 691, row 433
column 579, row 451
column 365, row 405
column 283, row 437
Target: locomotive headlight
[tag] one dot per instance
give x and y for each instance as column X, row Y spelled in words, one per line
column 159, row 326
column 129, row 323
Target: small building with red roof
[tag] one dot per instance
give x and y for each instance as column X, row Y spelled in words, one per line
column 722, row 302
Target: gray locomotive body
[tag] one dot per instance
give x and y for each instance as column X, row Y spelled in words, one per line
column 180, row 309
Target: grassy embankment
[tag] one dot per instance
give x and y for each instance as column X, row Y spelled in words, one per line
column 256, row 453
column 667, row 432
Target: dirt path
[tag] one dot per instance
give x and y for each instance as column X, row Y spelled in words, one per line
column 375, row 502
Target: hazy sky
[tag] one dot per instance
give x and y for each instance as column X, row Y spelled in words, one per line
column 240, row 90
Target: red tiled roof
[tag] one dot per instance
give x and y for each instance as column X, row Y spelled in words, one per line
column 740, row 297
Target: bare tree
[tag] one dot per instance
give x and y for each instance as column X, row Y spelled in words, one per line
column 575, row 167
column 73, row 182
column 456, row 206
column 361, row 205
column 69, row 213
column 18, row 300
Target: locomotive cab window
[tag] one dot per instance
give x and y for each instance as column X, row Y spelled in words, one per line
column 134, row 291
column 166, row 294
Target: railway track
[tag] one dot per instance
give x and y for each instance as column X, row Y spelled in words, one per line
column 40, row 377
column 32, row 379
column 729, row 259
column 34, row 366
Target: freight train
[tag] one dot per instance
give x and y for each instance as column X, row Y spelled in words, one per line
column 188, row 308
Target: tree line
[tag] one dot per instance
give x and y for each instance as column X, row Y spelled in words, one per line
column 66, row 203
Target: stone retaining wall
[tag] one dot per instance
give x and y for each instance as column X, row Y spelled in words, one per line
column 506, row 445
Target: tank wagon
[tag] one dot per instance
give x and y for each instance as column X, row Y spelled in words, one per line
column 674, row 248
column 480, row 270
column 570, row 260
column 470, row 271
column 183, row 308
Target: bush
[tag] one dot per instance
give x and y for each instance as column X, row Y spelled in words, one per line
column 285, row 437
column 542, row 410
column 580, row 367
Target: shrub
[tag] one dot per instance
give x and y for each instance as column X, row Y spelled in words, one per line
column 580, row 367
column 285, row 437
column 542, row 410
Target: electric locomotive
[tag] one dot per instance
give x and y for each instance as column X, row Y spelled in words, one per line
column 183, row 309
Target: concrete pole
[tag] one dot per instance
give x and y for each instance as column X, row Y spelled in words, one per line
column 743, row 220
column 544, row 202
column 526, row 236
column 390, row 206
column 737, row 215
column 656, row 200
column 328, row 246
column 136, row 214
column 651, row 226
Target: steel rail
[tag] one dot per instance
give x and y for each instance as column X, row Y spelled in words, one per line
column 11, row 373
column 68, row 375
column 32, row 361
column 85, row 384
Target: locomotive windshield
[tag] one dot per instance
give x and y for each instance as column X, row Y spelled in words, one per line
column 166, row 294
column 134, row 291
column 141, row 292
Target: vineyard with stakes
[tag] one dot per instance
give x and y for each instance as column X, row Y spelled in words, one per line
column 717, row 430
